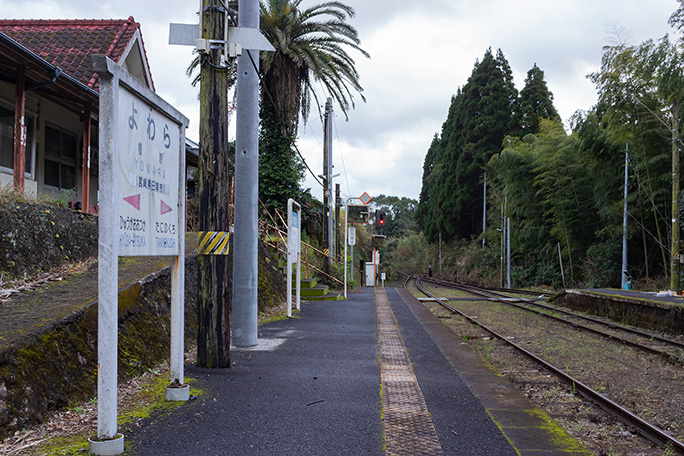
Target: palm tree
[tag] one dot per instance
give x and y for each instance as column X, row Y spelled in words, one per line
column 310, row 46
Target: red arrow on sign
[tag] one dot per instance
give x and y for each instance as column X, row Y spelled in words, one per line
column 165, row 208
column 133, row 200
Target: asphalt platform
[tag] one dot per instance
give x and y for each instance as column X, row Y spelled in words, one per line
column 326, row 383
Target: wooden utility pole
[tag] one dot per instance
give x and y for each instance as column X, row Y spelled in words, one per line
column 20, row 130
column 85, row 159
column 215, row 271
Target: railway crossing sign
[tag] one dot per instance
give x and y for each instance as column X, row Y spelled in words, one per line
column 365, row 198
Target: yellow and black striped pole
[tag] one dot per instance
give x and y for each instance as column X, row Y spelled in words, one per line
column 213, row 243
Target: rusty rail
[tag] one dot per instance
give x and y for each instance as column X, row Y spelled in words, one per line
column 647, row 429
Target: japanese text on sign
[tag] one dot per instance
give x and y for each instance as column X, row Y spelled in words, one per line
column 149, row 153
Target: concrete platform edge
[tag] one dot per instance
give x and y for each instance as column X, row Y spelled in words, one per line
column 532, row 430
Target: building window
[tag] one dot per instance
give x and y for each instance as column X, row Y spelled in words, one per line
column 7, row 140
column 60, row 158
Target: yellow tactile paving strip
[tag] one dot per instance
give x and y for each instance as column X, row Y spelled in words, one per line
column 407, row 424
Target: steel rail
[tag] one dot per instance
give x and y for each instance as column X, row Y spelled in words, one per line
column 483, row 292
column 612, row 325
column 523, row 304
column 654, row 351
column 649, row 431
column 492, row 290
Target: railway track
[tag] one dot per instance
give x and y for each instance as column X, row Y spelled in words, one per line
column 668, row 349
column 650, row 431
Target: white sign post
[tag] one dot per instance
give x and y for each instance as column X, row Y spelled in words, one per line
column 351, row 241
column 142, row 212
column 294, row 242
column 346, row 241
column 350, row 237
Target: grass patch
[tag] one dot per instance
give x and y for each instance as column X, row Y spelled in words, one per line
column 146, row 401
column 7, row 194
column 278, row 317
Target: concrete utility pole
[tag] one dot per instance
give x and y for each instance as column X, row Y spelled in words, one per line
column 624, row 223
column 503, row 238
column 674, row 248
column 508, row 252
column 245, row 253
column 440, row 254
column 484, row 209
column 338, row 203
column 214, row 304
column 560, row 259
column 327, row 183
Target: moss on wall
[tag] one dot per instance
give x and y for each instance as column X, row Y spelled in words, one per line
column 56, row 366
column 48, row 336
column 272, row 291
column 36, row 237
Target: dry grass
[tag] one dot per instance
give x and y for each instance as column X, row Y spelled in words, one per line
column 30, row 282
column 8, row 194
column 66, row 431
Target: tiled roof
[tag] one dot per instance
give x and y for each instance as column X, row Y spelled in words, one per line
column 69, row 43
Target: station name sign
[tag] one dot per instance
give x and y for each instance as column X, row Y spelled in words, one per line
column 148, row 166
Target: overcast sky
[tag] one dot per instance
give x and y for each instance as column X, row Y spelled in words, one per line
column 421, row 52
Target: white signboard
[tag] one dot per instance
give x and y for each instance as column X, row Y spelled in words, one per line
column 142, row 194
column 293, row 237
column 370, row 275
column 148, row 167
column 351, row 234
column 294, row 241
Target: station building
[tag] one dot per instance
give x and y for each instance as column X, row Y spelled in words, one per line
column 49, row 102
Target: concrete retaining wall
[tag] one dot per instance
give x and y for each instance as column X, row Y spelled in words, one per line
column 57, row 367
column 641, row 313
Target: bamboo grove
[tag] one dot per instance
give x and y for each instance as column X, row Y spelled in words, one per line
column 563, row 187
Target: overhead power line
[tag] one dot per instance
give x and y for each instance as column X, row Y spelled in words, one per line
column 344, row 166
column 279, row 119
